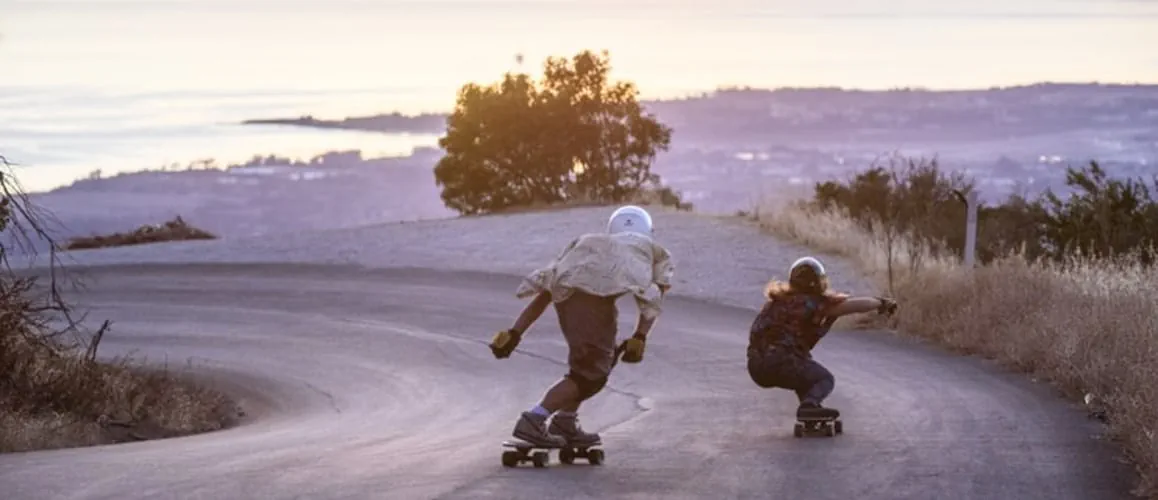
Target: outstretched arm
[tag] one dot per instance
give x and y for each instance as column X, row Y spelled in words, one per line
column 854, row 305
column 532, row 312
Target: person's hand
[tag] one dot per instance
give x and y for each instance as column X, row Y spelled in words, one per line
column 888, row 306
column 633, row 348
column 504, row 343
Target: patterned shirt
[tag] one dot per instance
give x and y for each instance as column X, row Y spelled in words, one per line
column 792, row 321
column 605, row 265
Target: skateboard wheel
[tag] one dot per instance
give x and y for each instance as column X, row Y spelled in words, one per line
column 594, row 457
column 540, row 459
column 510, row 458
column 829, row 431
column 566, row 455
column 838, row 426
column 798, row 430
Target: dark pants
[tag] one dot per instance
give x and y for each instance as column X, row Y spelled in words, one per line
column 589, row 325
column 811, row 381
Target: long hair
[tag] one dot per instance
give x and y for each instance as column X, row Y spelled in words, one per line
column 776, row 289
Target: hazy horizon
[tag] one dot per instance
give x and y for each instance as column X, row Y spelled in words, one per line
column 129, row 84
column 668, row 48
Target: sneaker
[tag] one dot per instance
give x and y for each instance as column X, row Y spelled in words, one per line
column 532, row 428
column 814, row 410
column 567, row 426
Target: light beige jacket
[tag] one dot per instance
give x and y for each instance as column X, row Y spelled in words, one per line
column 606, row 264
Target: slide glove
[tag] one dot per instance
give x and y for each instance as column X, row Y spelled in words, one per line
column 504, row 343
column 888, row 306
column 633, row 348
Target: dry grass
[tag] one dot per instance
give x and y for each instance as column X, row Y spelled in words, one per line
column 1089, row 327
column 53, row 395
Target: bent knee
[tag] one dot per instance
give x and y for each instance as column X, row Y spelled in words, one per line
column 818, row 373
column 587, row 384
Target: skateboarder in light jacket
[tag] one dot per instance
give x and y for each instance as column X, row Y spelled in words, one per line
column 791, row 322
column 584, row 282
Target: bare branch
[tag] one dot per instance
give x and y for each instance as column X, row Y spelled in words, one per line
column 26, row 225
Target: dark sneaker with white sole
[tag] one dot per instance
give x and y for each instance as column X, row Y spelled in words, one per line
column 532, row 428
column 567, row 426
column 813, row 410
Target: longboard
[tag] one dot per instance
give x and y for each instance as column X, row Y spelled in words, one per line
column 824, row 425
column 540, row 455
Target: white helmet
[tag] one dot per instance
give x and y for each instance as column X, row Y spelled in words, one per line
column 808, row 274
column 630, row 218
column 810, row 262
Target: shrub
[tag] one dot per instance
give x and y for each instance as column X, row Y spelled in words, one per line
column 174, row 230
column 1102, row 217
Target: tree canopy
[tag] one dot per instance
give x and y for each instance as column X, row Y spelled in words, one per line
column 575, row 135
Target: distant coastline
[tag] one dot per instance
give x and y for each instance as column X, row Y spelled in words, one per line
column 743, row 116
column 394, row 123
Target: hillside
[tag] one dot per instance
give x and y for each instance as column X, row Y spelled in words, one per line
column 267, row 195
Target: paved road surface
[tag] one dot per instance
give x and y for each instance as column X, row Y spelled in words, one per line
column 377, row 384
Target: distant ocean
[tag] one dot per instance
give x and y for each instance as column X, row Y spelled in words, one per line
column 58, row 135
column 122, row 85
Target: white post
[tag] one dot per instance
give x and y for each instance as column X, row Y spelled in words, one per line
column 971, row 207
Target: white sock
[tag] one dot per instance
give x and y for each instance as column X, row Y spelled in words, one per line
column 539, row 410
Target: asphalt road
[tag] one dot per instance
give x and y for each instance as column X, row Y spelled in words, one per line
column 377, row 384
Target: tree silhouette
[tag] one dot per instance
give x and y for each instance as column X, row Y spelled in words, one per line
column 1103, row 217
column 573, row 136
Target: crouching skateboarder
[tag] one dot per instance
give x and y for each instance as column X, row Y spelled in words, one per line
column 583, row 283
column 790, row 324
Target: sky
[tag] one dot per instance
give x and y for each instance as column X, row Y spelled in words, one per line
column 668, row 48
column 127, row 84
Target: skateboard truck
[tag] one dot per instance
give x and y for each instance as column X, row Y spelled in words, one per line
column 540, row 455
column 824, row 425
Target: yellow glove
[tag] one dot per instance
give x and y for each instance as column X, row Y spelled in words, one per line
column 633, row 348
column 888, row 306
column 504, row 343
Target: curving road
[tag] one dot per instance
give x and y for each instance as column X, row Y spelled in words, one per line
column 365, row 383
